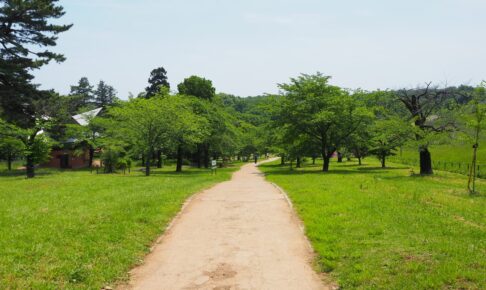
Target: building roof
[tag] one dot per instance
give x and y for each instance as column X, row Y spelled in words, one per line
column 84, row 118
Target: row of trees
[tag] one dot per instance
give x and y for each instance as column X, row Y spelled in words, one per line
column 190, row 125
column 311, row 117
column 84, row 96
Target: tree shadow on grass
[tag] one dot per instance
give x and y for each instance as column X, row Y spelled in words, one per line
column 378, row 168
column 287, row 171
column 20, row 173
column 165, row 173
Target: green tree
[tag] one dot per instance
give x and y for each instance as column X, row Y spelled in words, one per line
column 87, row 135
column 188, row 128
column 26, row 33
column 425, row 108
column 474, row 122
column 358, row 144
column 82, row 94
column 222, row 135
column 34, row 145
column 157, row 79
column 104, row 94
column 197, row 87
column 325, row 113
column 387, row 136
column 10, row 148
column 141, row 123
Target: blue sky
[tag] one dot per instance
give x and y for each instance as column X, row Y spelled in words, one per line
column 246, row 47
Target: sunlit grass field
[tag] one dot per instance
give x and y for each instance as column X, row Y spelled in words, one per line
column 385, row 229
column 77, row 230
column 454, row 151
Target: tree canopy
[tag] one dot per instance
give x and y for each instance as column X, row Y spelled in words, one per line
column 197, row 87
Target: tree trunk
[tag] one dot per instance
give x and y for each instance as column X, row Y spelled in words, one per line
column 383, row 160
column 91, row 156
column 143, row 159
column 9, row 162
column 340, row 157
column 282, row 160
column 30, row 166
column 425, row 161
column 313, row 160
column 199, row 156
column 147, row 165
column 159, row 158
column 179, row 159
column 359, row 160
column 298, row 165
column 472, row 171
column 325, row 165
column 326, row 157
column 206, row 156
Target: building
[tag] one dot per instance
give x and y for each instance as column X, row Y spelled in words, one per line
column 72, row 154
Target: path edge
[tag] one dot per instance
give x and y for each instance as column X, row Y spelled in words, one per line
column 325, row 277
column 123, row 284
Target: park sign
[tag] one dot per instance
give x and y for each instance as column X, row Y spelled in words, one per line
column 214, row 164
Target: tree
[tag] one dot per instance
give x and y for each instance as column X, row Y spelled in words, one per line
column 197, row 87
column 387, row 135
column 474, row 119
column 222, row 135
column 325, row 113
column 82, row 92
column 10, row 148
column 104, row 94
column 142, row 123
column 25, row 34
column 424, row 106
column 34, row 145
column 158, row 79
column 149, row 125
column 188, row 127
column 358, row 144
column 87, row 135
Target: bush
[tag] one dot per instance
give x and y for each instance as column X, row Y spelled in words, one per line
column 111, row 157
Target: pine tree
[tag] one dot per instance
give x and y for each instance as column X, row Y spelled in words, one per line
column 25, row 36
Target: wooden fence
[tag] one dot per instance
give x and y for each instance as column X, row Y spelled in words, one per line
column 450, row 166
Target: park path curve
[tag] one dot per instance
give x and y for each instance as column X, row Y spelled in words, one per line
column 240, row 234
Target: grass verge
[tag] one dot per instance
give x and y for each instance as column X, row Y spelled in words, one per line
column 76, row 230
column 384, row 229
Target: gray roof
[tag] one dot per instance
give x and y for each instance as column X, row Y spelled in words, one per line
column 84, row 118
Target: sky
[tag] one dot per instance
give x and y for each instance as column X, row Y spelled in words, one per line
column 247, row 47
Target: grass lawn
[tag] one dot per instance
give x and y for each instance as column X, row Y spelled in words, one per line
column 76, row 230
column 454, row 156
column 384, row 229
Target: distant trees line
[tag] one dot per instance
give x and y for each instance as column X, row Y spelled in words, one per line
column 310, row 117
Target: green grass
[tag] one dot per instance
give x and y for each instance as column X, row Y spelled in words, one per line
column 384, row 229
column 76, row 230
column 455, row 157
column 454, row 152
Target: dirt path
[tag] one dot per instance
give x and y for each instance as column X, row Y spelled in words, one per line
column 240, row 234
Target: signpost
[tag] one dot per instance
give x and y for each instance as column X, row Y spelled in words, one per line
column 214, row 165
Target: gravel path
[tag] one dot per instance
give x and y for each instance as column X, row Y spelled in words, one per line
column 240, row 234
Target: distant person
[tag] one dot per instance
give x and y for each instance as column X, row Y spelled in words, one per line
column 255, row 156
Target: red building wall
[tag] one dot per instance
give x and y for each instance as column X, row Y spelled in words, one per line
column 74, row 161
